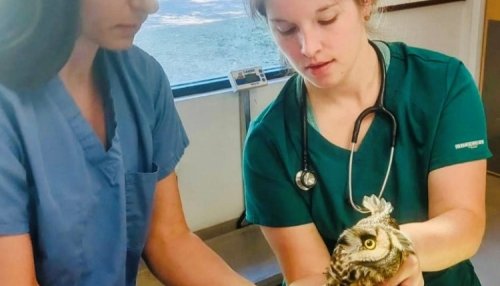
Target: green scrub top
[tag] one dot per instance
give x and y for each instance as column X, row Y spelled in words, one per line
column 440, row 121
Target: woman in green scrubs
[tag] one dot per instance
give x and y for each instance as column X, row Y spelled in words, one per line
column 437, row 179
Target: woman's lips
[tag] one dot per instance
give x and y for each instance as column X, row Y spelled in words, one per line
column 318, row 68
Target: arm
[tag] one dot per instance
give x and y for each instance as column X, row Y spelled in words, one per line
column 456, row 222
column 17, row 265
column 457, row 216
column 304, row 257
column 174, row 254
column 300, row 251
column 456, row 191
column 452, row 234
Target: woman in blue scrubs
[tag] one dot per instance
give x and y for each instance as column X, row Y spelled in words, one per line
column 87, row 179
column 437, row 180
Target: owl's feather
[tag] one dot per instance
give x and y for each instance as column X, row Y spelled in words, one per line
column 371, row 251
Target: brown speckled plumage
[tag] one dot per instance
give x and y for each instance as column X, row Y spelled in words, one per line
column 371, row 251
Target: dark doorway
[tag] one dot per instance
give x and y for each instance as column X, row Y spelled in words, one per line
column 491, row 92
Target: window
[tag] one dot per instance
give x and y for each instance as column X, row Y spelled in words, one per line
column 196, row 40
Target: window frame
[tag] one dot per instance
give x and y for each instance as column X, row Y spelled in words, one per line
column 219, row 83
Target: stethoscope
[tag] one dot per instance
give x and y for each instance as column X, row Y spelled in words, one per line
column 306, row 178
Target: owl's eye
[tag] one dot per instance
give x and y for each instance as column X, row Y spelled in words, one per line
column 370, row 244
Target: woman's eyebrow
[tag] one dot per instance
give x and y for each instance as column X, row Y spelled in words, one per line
column 322, row 9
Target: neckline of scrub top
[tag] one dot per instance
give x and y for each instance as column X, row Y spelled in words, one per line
column 93, row 149
column 318, row 138
column 386, row 54
column 370, row 133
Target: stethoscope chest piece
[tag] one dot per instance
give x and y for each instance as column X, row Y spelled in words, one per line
column 305, row 180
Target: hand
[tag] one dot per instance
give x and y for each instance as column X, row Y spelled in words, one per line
column 409, row 274
column 314, row 280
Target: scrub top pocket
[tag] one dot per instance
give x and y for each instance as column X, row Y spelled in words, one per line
column 140, row 188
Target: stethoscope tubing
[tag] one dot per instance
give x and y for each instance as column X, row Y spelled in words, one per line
column 382, row 188
column 378, row 107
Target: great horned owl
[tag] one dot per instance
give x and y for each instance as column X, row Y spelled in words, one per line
column 371, row 251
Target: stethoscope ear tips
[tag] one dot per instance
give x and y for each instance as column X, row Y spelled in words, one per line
column 305, row 180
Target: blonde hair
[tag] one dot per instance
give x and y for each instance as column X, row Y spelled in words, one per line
column 257, row 9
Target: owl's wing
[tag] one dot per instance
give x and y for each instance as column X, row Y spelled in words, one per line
column 404, row 242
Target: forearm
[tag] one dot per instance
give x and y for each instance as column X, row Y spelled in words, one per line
column 17, row 265
column 186, row 260
column 447, row 239
column 313, row 280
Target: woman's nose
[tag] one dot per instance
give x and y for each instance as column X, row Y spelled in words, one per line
column 310, row 43
column 148, row 6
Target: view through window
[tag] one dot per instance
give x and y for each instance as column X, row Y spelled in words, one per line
column 200, row 39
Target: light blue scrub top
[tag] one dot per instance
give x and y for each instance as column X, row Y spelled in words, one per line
column 87, row 207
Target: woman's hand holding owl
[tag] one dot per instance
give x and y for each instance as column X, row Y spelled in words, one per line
column 409, row 274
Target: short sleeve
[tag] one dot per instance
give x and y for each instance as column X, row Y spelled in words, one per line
column 271, row 198
column 169, row 136
column 14, row 196
column 461, row 133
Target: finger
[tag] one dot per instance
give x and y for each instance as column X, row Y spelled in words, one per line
column 413, row 281
column 409, row 270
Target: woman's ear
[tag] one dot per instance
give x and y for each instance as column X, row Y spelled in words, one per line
column 366, row 9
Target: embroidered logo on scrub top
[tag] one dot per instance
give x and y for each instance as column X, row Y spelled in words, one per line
column 470, row 145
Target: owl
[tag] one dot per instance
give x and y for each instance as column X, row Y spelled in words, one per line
column 371, row 251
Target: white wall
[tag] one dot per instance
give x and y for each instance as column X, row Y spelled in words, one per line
column 455, row 29
column 210, row 171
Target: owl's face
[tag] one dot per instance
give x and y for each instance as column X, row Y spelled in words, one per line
column 366, row 245
column 370, row 251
